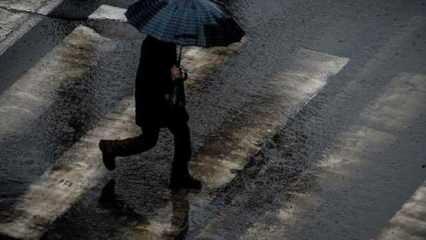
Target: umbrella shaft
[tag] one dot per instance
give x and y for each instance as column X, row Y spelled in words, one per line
column 179, row 56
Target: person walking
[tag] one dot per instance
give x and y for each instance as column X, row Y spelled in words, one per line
column 160, row 96
column 155, row 86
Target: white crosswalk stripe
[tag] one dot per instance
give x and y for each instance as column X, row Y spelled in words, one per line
column 14, row 26
column 32, row 94
column 381, row 121
column 107, row 12
column 31, row 6
column 16, row 19
column 409, row 223
column 284, row 96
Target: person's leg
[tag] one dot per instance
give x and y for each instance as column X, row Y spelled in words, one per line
column 182, row 142
column 130, row 146
column 180, row 176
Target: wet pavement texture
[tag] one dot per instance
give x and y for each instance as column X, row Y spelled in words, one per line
column 78, row 95
column 89, row 91
column 293, row 185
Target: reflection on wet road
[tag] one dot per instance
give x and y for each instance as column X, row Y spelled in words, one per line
column 173, row 226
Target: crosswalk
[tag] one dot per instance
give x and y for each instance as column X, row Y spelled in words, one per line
column 221, row 156
column 18, row 18
column 350, row 157
column 34, row 93
column 381, row 119
column 16, row 25
column 32, row 6
column 66, row 182
column 409, row 222
column 307, row 74
column 107, row 12
column 243, row 137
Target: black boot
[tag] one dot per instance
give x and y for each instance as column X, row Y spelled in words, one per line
column 122, row 148
column 181, row 179
column 108, row 156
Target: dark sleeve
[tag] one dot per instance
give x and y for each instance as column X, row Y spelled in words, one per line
column 167, row 58
column 157, row 62
column 172, row 55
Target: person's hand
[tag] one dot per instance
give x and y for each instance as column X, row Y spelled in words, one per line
column 178, row 73
column 175, row 71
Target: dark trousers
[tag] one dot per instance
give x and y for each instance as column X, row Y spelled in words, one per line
column 148, row 139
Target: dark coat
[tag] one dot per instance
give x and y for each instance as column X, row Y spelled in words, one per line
column 153, row 82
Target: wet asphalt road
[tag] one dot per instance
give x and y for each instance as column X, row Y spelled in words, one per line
column 380, row 39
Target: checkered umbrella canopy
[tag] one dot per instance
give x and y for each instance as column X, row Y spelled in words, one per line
column 185, row 22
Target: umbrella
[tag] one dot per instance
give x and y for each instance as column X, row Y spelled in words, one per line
column 201, row 23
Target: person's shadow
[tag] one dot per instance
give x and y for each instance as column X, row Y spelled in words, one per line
column 180, row 211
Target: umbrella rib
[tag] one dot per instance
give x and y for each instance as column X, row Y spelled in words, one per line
column 180, row 20
column 166, row 26
column 213, row 19
column 202, row 37
column 185, row 23
column 160, row 25
column 209, row 14
column 208, row 18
